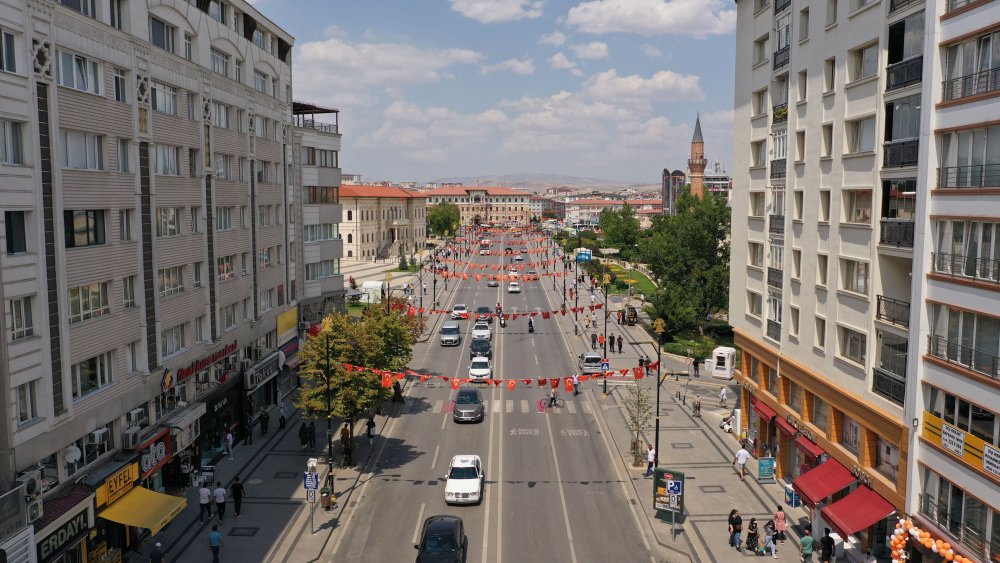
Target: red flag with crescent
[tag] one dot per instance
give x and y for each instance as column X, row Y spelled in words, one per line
column 511, row 384
column 637, row 371
column 568, row 384
column 455, row 383
column 386, row 380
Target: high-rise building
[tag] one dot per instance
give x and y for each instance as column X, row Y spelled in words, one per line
column 863, row 399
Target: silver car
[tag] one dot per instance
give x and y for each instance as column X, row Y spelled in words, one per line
column 451, row 334
column 469, row 406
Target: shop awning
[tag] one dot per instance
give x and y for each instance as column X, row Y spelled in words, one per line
column 857, row 511
column 822, row 481
column 784, row 426
column 143, row 508
column 763, row 410
column 808, row 446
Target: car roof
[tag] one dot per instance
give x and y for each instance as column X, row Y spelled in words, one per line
column 480, row 359
column 589, row 355
column 468, row 391
column 441, row 523
column 482, row 324
column 483, row 308
column 464, row 461
column 459, row 306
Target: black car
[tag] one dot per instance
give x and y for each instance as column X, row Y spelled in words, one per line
column 484, row 314
column 442, row 540
column 481, row 348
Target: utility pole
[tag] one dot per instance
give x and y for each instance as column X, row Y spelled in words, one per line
column 659, row 327
column 607, row 282
column 329, row 407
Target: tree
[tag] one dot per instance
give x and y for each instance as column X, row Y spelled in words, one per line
column 638, row 414
column 443, row 219
column 403, row 265
column 621, row 230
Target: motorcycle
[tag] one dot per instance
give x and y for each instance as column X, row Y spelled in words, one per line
column 503, row 323
column 727, row 423
column 531, row 327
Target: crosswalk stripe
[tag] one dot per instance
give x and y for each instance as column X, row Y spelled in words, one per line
column 496, row 405
column 510, row 406
column 556, row 410
column 571, row 407
column 524, row 405
column 437, row 406
column 586, row 408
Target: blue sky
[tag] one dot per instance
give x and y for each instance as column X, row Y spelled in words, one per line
column 436, row 88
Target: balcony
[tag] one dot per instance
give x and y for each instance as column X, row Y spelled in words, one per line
column 972, row 84
column 897, row 233
column 950, row 520
column 904, row 73
column 778, row 168
column 893, row 311
column 977, row 176
column 889, row 385
column 776, row 224
column 780, row 5
column 779, row 113
column 773, row 330
column 964, row 266
column 959, row 354
column 898, row 154
column 900, row 4
column 781, row 57
column 775, row 277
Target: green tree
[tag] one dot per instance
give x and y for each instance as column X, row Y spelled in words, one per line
column 621, row 230
column 403, row 265
column 443, row 219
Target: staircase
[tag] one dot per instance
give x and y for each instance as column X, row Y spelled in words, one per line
column 383, row 249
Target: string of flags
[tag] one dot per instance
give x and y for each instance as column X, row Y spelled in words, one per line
column 413, row 311
column 478, row 266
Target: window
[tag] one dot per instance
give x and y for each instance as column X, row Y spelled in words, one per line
column 804, row 24
column 323, row 194
column 220, row 62
column 196, row 268
column 793, row 325
column 27, row 409
column 858, row 206
column 257, row 37
column 168, row 221
column 239, row 71
column 264, row 258
column 195, row 219
column 797, row 205
column 802, row 82
column 188, row 47
column 755, row 303
column 243, row 165
column 123, row 154
column 759, row 5
column 244, row 263
column 132, row 356
column 759, row 102
column 274, row 88
column 84, row 228
column 119, row 76
column 247, row 309
column 164, row 98
column 260, row 82
column 117, row 15
column 217, row 11
column 167, row 160
column 820, row 341
column 223, row 166
column 864, row 62
column 829, row 74
column 966, row 416
column 199, row 329
column 264, row 216
column 193, row 160
column 827, row 140
column 796, row 263
column 853, row 345
column 228, row 314
column 84, row 151
column 781, row 143
column 782, row 32
column 824, row 206
column 14, row 223
column 224, row 267
column 760, row 50
column 323, row 158
column 85, row 7
column 902, row 121
column 758, row 152
column 775, row 312
column 22, row 325
column 172, row 341
column 821, row 269
column 322, row 269
column 887, row 459
column 88, row 301
column 78, row 73
column 162, row 34
column 831, row 12
column 244, row 217
column 10, row 143
column 315, row 233
column 266, row 299
column 192, row 103
column 223, row 218
column 795, row 396
column 8, row 62
column 220, row 115
column 820, row 417
column 855, row 275
column 861, row 135
column 260, row 127
column 776, row 256
column 800, row 146
column 128, row 291
column 858, row 4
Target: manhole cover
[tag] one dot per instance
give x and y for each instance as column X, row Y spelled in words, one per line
column 708, row 489
column 681, row 445
column 243, row 531
column 286, row 475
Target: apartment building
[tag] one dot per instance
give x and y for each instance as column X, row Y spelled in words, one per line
column 484, row 204
column 147, row 282
column 379, row 222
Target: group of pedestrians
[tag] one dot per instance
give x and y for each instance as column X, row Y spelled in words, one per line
column 774, row 533
column 307, row 435
column 599, row 340
column 208, row 497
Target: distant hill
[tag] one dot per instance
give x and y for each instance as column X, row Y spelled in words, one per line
column 540, row 182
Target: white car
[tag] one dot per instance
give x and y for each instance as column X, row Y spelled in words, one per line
column 480, row 369
column 513, row 287
column 459, row 311
column 481, row 331
column 465, row 479
column 513, row 275
column 518, row 257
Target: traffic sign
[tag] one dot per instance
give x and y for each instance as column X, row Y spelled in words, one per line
column 605, row 366
column 310, row 480
column 310, row 495
column 668, row 490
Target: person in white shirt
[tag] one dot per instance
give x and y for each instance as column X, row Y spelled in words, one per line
column 723, row 396
column 229, row 443
column 650, row 460
column 220, row 500
column 204, row 503
column 741, row 457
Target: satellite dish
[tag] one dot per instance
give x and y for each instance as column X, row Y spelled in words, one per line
column 72, row 454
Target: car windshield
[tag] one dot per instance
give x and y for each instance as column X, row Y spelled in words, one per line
column 482, row 326
column 459, row 308
column 483, row 310
column 480, row 365
column 439, row 544
column 449, row 330
column 481, row 346
column 463, row 473
column 468, row 399
column 591, row 360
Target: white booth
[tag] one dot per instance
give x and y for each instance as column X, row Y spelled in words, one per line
column 371, row 291
column 723, row 362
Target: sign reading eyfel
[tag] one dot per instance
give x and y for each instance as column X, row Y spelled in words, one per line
column 263, row 371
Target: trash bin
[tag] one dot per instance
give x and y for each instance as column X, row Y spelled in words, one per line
column 326, row 500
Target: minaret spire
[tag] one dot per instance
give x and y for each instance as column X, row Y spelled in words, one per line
column 697, row 162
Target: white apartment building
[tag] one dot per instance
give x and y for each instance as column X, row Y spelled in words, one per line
column 862, row 184
column 147, row 282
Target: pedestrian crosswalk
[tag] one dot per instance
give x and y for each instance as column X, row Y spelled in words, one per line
column 508, row 406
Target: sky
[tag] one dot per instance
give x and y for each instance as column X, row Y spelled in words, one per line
column 442, row 88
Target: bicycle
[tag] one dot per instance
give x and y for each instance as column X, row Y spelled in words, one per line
column 547, row 402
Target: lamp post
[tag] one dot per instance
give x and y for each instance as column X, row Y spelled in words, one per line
column 576, row 278
column 607, row 282
column 329, row 407
column 659, row 327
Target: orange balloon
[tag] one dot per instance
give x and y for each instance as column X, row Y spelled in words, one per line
column 948, row 557
column 895, row 554
column 946, row 545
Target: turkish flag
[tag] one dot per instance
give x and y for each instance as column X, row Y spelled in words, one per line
column 411, row 311
column 546, row 314
column 516, row 315
column 348, row 367
column 400, row 376
column 584, row 378
column 506, row 317
column 623, row 371
column 386, row 381
column 542, row 381
column 654, row 365
column 496, row 382
column 568, row 384
column 599, row 305
column 526, row 382
column 424, row 378
column 455, row 383
column 591, row 307
column 511, row 384
column 554, row 382
column 421, row 310
column 533, row 313
column 563, row 311
column 479, row 277
column 638, row 372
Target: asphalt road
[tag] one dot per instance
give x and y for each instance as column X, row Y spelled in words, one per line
column 553, row 492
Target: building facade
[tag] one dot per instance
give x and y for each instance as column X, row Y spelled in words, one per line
column 379, row 222
column 485, row 204
column 146, row 268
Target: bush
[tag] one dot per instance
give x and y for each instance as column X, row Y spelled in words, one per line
column 402, row 262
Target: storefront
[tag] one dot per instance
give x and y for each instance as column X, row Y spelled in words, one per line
column 288, row 378
column 62, row 539
column 261, row 384
column 223, row 413
column 185, row 428
column 154, row 454
column 762, row 434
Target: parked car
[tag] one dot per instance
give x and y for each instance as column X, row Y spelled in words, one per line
column 480, row 369
column 518, row 257
column 459, row 311
column 451, row 334
column 480, row 348
column 513, row 287
column 465, row 480
column 481, row 331
column 469, row 405
column 442, row 540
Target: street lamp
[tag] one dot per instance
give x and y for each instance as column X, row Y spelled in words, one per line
column 659, row 327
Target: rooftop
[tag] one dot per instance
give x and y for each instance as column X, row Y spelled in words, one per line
column 464, row 190
column 361, row 190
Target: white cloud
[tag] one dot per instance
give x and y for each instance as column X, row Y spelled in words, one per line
column 663, row 86
column 517, row 66
column 493, row 11
column 555, row 38
column 654, row 17
column 595, row 50
column 561, row 61
column 651, row 51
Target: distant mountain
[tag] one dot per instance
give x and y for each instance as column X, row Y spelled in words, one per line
column 541, row 182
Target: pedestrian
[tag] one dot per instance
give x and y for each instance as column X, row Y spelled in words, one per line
column 769, row 539
column 425, row 288
column 696, row 405
column 723, row 396
column 312, row 435
column 780, row 525
column 237, row 491
column 642, row 363
column 576, row 384
column 157, row 555
column 696, row 368
column 586, row 320
column 282, row 416
column 735, row 529
column 826, row 547
column 370, row 429
column 619, row 344
column 806, row 546
column 345, row 443
column 619, row 316
column 303, row 436
column 186, row 471
column 741, row 457
column 869, row 557
column 753, row 538
column 219, row 495
column 264, row 419
column 650, row 460
column 600, row 340
column 229, row 443
column 593, row 341
column 204, row 503
column 215, row 543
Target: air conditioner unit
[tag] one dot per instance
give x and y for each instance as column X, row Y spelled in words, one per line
column 245, row 365
column 182, row 404
column 35, row 510
column 98, row 436
column 135, row 416
column 130, row 438
column 32, row 481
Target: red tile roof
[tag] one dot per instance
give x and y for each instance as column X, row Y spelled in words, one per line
column 596, row 201
column 464, row 190
column 358, row 190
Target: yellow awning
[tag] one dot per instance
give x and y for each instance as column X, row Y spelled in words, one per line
column 143, row 508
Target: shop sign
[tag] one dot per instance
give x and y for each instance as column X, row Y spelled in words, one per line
column 290, row 348
column 953, row 439
column 64, row 536
column 765, row 469
column 155, row 453
column 288, row 324
column 118, row 484
column 991, row 460
column 263, row 371
column 205, row 362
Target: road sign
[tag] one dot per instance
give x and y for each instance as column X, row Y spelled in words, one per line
column 605, row 366
column 310, row 495
column 310, row 480
column 668, row 490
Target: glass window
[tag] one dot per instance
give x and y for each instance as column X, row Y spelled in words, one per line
column 128, row 291
column 119, row 75
column 795, row 396
column 91, row 375
column 85, row 7
column 850, row 434
column 821, row 414
column 260, row 81
column 22, row 322
column 77, row 72
column 27, row 409
column 172, row 341
column 84, row 228
column 14, row 226
column 88, row 301
column 164, row 98
column 755, row 303
column 220, row 62
column 170, row 280
column 853, row 345
column 162, row 34
column 167, row 160
column 865, row 62
column 855, row 275
column 168, row 221
column 83, row 151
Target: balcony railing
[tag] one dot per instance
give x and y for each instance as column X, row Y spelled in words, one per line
column 778, row 168
column 893, row 311
column 904, row 73
column 897, row 233
column 973, row 540
column 963, row 266
column 956, row 4
column 977, row 176
column 889, row 385
column 779, row 113
column 898, row 154
column 302, row 121
column 773, row 330
column 899, row 4
column 775, row 277
column 972, row 84
column 781, row 57
column 776, row 224
column 780, row 5
column 953, row 352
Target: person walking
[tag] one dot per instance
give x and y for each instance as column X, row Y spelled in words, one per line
column 600, row 340
column 237, row 491
column 229, row 443
column 157, row 555
column 619, row 344
column 826, row 547
column 219, row 495
column 650, row 460
column 696, row 406
column 769, row 539
column 780, row 525
column 753, row 536
column 576, row 384
column 425, row 288
column 370, row 430
column 740, row 459
column 806, row 543
column 264, row 420
column 593, row 341
column 620, row 316
column 723, row 396
column 204, row 503
column 345, row 443
column 735, row 529
column 215, row 544
column 312, row 435
column 303, row 436
column 282, row 416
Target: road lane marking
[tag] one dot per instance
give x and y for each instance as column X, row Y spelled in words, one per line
column 496, row 405
column 437, row 406
column 510, row 406
column 562, row 493
column 586, row 408
column 524, row 405
column 571, row 408
column 420, row 520
column 437, row 450
column 536, row 359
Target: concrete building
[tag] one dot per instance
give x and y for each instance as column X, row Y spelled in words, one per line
column 717, row 180
column 378, row 221
column 147, row 280
column 538, row 205
column 899, row 401
column 484, row 204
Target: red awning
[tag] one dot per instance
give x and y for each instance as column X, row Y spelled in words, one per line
column 857, row 511
column 818, row 483
column 784, row 426
column 808, row 446
column 763, row 410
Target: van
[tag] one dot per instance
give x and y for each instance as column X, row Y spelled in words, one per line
column 590, row 363
column 451, row 334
